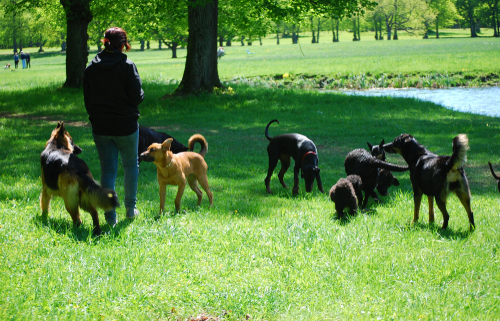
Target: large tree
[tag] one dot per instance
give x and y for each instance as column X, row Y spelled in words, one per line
column 78, row 17
column 201, row 72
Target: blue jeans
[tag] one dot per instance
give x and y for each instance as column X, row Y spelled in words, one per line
column 108, row 148
column 24, row 63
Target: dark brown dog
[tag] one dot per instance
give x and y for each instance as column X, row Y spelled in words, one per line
column 175, row 169
column 495, row 176
column 67, row 176
column 435, row 176
column 347, row 193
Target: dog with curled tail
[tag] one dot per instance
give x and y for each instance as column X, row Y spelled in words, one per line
column 435, row 176
column 176, row 169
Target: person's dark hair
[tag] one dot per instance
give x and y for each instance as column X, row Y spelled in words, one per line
column 115, row 38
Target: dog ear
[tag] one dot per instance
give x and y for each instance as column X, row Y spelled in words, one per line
column 381, row 145
column 395, row 181
column 166, row 144
column 61, row 129
column 370, row 146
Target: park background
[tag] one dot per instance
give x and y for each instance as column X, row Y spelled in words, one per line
column 252, row 255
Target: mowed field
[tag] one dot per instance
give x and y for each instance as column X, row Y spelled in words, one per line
column 252, row 255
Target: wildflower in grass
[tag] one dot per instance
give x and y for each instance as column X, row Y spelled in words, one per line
column 286, row 75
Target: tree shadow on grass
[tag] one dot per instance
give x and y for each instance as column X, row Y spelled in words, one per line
column 64, row 226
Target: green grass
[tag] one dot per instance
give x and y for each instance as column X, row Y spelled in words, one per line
column 265, row 257
column 408, row 62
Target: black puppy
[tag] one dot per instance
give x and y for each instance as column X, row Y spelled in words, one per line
column 360, row 162
column 148, row 136
column 435, row 176
column 347, row 193
column 304, row 153
column 495, row 176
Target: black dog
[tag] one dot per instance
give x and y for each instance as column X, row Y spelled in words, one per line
column 148, row 136
column 495, row 176
column 377, row 150
column 347, row 193
column 435, row 176
column 360, row 162
column 304, row 153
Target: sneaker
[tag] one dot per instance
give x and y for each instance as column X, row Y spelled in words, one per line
column 111, row 218
column 132, row 213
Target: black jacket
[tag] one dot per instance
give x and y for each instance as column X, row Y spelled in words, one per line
column 112, row 91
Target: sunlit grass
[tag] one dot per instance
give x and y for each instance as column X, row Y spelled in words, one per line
column 252, row 255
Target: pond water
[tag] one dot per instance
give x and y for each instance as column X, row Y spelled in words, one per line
column 483, row 101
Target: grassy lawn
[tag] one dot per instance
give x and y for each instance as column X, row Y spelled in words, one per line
column 408, row 62
column 252, row 255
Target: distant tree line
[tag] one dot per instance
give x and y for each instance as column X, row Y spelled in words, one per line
column 202, row 25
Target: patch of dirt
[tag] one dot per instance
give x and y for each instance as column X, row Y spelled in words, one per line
column 50, row 119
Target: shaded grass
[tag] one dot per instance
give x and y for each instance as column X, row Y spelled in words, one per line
column 272, row 257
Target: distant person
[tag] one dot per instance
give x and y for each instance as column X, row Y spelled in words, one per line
column 16, row 59
column 112, row 91
column 28, row 60
column 23, row 59
column 220, row 52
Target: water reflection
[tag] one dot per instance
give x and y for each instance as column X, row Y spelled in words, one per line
column 483, row 101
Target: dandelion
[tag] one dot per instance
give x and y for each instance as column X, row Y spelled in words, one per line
column 286, row 75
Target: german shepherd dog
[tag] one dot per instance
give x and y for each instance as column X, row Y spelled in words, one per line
column 304, row 153
column 175, row 169
column 148, row 136
column 435, row 176
column 67, row 176
column 495, row 176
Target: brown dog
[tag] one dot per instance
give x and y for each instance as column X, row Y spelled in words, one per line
column 175, row 169
column 67, row 176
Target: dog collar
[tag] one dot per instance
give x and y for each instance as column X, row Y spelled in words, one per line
column 309, row 152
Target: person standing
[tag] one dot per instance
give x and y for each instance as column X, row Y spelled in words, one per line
column 23, row 59
column 16, row 59
column 28, row 60
column 112, row 91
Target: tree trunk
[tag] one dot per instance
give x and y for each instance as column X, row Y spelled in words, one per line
column 78, row 17
column 142, row 44
column 395, row 37
column 14, row 35
column 319, row 28
column 338, row 22
column 388, row 28
column 221, row 41
column 200, row 71
column 277, row 34
column 354, row 38
column 228, row 42
column 437, row 28
column 472, row 27
column 174, row 49
column 159, row 44
column 359, row 30
column 312, row 31
column 242, row 42
column 147, row 45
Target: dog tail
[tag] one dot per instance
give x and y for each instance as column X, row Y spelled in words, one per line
column 460, row 147
column 385, row 165
column 97, row 196
column 267, row 128
column 492, row 172
column 197, row 138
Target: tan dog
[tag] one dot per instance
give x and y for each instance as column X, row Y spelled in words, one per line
column 175, row 169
